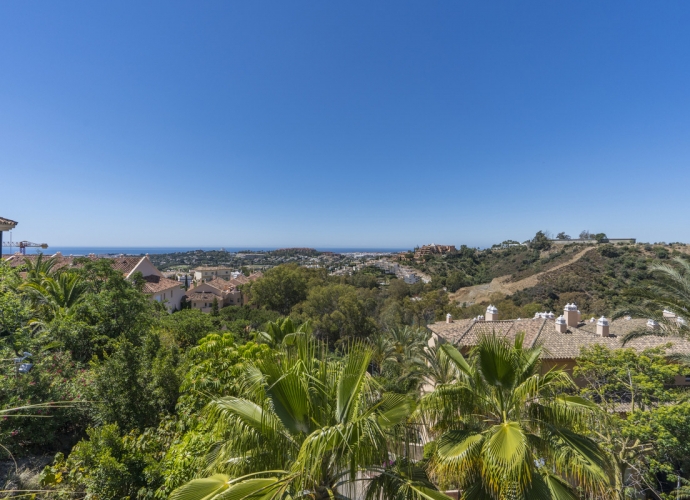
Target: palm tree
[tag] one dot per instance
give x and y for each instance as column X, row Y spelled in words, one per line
column 56, row 296
column 670, row 291
column 440, row 369
column 399, row 356
column 308, row 427
column 506, row 431
column 40, row 268
column 283, row 330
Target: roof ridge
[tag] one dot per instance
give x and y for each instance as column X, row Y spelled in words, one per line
column 541, row 329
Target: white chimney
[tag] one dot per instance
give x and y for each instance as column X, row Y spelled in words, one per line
column 480, row 318
column 652, row 325
column 449, row 318
column 491, row 313
column 572, row 315
column 561, row 325
column 549, row 315
column 603, row 327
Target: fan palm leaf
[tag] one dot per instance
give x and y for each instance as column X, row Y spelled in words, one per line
column 506, row 430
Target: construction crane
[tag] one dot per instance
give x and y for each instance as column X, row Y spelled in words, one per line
column 23, row 245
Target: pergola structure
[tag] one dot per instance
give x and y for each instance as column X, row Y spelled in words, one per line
column 5, row 225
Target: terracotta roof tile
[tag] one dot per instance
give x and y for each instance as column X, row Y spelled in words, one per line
column 203, row 296
column 556, row 345
column 155, row 284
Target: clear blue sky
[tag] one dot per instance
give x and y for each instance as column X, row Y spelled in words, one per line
column 331, row 124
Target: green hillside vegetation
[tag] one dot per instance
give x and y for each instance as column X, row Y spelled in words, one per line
column 596, row 281
column 319, row 380
column 470, row 266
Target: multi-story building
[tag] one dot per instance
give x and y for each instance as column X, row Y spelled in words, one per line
column 207, row 273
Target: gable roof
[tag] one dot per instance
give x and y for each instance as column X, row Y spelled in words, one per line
column 202, row 296
column 466, row 333
column 7, row 224
column 155, row 284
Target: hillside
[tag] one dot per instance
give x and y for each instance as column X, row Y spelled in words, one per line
column 521, row 283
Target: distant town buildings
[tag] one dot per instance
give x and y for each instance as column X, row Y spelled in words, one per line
column 434, row 249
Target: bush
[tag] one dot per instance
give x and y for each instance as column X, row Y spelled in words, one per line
column 54, row 378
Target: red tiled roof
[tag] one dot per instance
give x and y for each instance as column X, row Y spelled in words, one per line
column 556, row 345
column 125, row 264
column 203, row 296
column 155, row 284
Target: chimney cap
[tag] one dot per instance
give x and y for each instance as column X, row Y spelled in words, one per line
column 560, row 320
column 570, row 307
column 491, row 309
column 603, row 322
column 652, row 323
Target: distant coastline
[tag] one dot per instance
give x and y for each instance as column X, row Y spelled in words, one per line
column 159, row 250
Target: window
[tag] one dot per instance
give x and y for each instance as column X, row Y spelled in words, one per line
column 687, row 379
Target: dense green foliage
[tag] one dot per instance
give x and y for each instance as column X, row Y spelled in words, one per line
column 323, row 379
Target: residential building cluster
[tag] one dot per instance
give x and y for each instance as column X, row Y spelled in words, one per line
column 562, row 337
column 434, row 249
column 209, row 284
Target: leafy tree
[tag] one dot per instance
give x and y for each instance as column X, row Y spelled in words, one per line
column 214, row 308
column 562, row 236
column 337, row 312
column 666, row 431
column 187, row 327
column 307, row 428
column 585, row 235
column 622, row 380
column 600, row 237
column 134, row 386
column 429, row 306
column 540, row 241
column 508, row 431
column 280, row 289
column 615, row 377
column 112, row 308
column 15, row 314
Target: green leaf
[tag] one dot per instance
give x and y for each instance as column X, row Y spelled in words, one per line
column 350, row 382
column 507, row 444
column 201, row 489
column 395, row 408
column 428, row 493
column 496, row 360
column 457, row 445
column 456, row 358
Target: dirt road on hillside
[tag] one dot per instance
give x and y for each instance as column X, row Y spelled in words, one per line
column 480, row 293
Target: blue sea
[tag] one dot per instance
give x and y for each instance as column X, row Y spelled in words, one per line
column 154, row 250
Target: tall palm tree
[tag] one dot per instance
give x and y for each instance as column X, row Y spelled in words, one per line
column 669, row 291
column 506, row 431
column 56, row 296
column 308, row 427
